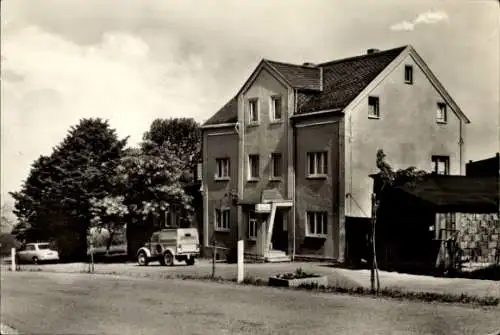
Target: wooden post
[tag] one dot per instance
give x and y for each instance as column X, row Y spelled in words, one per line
column 91, row 265
column 13, row 259
column 214, row 258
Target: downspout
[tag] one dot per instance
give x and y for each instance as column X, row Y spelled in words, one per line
column 461, row 144
column 204, row 190
column 294, row 135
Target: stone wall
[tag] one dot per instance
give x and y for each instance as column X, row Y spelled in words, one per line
column 478, row 234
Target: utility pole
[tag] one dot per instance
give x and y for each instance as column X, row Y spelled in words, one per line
column 374, row 267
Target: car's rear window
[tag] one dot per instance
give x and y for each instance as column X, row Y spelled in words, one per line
column 43, row 246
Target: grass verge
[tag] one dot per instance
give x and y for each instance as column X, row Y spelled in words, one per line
column 391, row 293
column 387, row 292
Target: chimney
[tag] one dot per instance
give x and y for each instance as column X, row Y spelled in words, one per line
column 372, row 51
column 309, row 64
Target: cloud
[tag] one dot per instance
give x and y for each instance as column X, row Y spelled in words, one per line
column 49, row 83
column 403, row 25
column 430, row 17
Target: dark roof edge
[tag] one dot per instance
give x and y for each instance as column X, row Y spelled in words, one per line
column 317, row 113
column 219, row 125
column 363, row 56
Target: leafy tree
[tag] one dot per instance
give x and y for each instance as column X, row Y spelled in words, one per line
column 54, row 202
column 108, row 213
column 150, row 183
column 388, row 179
column 5, row 221
column 181, row 137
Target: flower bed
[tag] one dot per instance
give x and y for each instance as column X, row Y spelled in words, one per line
column 298, row 279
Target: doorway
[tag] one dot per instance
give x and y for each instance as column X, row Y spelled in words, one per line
column 279, row 239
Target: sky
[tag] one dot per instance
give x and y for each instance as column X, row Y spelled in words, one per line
column 133, row 61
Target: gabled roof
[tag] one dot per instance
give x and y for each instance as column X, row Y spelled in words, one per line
column 457, row 193
column 344, row 79
column 332, row 85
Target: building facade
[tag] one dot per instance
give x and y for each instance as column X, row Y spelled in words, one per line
column 288, row 159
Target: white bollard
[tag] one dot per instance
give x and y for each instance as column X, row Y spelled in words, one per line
column 13, row 259
column 240, row 261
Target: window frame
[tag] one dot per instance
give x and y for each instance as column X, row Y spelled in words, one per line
column 436, row 159
column 442, row 108
column 323, row 225
column 316, row 172
column 219, row 225
column 272, row 108
column 376, row 100
column 250, row 177
column 273, row 166
column 221, row 169
column 408, row 69
column 253, row 111
column 252, row 220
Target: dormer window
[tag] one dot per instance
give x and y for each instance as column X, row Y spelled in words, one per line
column 408, row 74
column 253, row 110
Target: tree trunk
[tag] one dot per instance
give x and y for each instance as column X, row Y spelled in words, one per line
column 110, row 240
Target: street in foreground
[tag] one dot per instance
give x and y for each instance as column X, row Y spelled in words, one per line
column 51, row 303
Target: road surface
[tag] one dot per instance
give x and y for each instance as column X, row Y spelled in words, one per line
column 53, row 303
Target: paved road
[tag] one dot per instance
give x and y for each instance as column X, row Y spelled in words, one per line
column 53, row 303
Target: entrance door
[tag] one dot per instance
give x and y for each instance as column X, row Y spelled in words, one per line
column 280, row 233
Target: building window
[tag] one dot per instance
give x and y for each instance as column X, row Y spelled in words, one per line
column 441, row 113
column 222, row 219
column 373, row 107
column 252, row 226
column 253, row 167
column 276, row 165
column 276, row 112
column 222, row 168
column 253, row 110
column 317, row 164
column 408, row 74
column 317, row 224
column 441, row 165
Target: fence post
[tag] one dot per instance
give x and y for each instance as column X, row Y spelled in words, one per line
column 13, row 259
column 240, row 261
column 214, row 257
column 91, row 265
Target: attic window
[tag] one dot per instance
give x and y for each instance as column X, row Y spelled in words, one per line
column 373, row 107
column 408, row 74
column 441, row 113
column 253, row 110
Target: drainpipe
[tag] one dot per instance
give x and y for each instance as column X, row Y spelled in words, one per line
column 292, row 128
column 461, row 144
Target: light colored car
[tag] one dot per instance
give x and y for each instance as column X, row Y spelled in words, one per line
column 36, row 253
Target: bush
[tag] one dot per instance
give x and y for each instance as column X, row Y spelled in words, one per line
column 299, row 274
